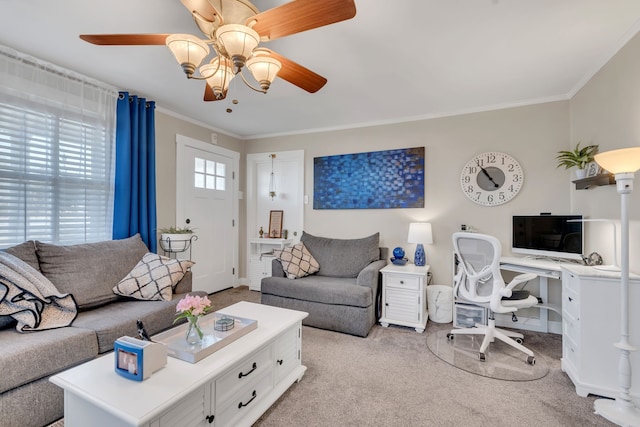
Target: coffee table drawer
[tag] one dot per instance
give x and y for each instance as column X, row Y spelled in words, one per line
column 243, row 374
column 244, row 401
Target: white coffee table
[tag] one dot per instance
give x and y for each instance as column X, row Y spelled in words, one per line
column 233, row 386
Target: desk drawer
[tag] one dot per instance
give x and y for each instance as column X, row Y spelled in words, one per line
column 571, row 328
column 243, row 374
column 571, row 304
column 404, row 282
column 571, row 351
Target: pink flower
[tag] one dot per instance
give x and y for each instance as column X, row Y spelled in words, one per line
column 193, row 305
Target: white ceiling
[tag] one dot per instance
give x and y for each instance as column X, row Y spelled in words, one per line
column 395, row 61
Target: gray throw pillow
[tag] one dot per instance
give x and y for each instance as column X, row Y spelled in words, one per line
column 342, row 257
column 26, row 251
column 89, row 271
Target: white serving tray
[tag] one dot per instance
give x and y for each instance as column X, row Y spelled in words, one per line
column 213, row 340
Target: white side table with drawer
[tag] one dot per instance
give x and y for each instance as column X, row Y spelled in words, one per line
column 404, row 296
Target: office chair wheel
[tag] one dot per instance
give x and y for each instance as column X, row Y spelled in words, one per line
column 482, row 357
column 450, row 336
column 531, row 360
column 519, row 340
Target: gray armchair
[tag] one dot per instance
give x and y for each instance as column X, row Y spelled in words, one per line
column 344, row 295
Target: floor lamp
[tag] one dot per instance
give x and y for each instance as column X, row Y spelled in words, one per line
column 623, row 163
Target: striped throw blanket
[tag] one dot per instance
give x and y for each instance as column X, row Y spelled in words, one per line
column 31, row 299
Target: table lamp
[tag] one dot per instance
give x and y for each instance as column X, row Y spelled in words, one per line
column 623, row 163
column 420, row 233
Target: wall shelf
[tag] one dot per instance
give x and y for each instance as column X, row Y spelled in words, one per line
column 594, row 181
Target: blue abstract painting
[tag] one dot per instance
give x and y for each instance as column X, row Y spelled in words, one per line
column 374, row 180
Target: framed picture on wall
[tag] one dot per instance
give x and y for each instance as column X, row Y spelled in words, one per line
column 275, row 224
column 593, row 169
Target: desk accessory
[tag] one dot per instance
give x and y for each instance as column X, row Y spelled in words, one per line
column 137, row 359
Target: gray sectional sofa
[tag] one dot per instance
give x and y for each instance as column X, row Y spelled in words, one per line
column 88, row 272
column 343, row 295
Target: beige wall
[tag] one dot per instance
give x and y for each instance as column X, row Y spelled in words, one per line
column 606, row 111
column 531, row 134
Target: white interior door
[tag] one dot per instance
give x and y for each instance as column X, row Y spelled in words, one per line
column 207, row 201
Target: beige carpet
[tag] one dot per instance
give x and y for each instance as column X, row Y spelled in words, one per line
column 391, row 378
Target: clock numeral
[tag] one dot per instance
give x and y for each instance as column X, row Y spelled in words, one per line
column 490, row 198
column 491, row 158
column 501, row 195
column 516, row 178
column 466, row 179
column 478, row 195
column 470, row 189
column 510, row 167
column 511, row 189
column 473, row 169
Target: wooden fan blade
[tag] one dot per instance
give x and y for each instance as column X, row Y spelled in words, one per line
column 300, row 15
column 202, row 8
column 298, row 75
column 210, row 96
column 125, row 39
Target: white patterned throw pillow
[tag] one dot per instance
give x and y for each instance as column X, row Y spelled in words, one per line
column 297, row 261
column 153, row 278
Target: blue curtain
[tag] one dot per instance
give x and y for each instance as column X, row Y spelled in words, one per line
column 134, row 208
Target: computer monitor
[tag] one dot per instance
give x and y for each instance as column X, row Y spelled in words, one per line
column 557, row 236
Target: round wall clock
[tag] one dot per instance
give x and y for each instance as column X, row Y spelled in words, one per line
column 491, row 179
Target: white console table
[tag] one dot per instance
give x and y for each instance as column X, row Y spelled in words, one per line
column 232, row 387
column 260, row 258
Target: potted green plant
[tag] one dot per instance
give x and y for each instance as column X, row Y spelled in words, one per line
column 175, row 239
column 579, row 158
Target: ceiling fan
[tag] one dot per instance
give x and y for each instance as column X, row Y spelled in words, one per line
column 233, row 29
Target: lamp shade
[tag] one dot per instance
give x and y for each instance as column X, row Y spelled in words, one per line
column 237, row 40
column 263, row 67
column 620, row 161
column 420, row 232
column 188, row 50
column 218, row 75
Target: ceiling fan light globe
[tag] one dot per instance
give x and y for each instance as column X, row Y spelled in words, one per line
column 264, row 69
column 218, row 75
column 238, row 41
column 188, row 50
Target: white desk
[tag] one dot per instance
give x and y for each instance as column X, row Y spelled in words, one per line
column 545, row 269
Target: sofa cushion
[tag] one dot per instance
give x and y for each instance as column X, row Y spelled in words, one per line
column 26, row 251
column 342, row 257
column 27, row 357
column 153, row 278
column 114, row 320
column 320, row 289
column 297, row 261
column 89, row 271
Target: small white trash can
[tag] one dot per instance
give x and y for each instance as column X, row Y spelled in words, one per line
column 440, row 303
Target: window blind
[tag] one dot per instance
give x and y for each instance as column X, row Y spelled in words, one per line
column 56, row 154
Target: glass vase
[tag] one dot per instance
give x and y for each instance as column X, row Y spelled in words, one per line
column 194, row 334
